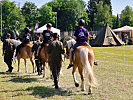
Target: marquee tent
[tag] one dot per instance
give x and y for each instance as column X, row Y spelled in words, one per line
column 125, row 29
column 41, row 29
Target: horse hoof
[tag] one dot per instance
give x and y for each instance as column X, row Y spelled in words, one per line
column 56, row 87
column 76, row 84
column 89, row 93
column 82, row 89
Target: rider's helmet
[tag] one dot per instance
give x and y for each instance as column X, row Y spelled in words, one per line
column 49, row 25
column 55, row 35
column 8, row 35
column 81, row 22
column 27, row 29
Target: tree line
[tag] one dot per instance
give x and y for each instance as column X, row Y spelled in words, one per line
column 96, row 13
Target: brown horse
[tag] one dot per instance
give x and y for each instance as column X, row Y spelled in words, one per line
column 83, row 58
column 44, row 57
column 25, row 53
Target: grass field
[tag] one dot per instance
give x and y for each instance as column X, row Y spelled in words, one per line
column 115, row 79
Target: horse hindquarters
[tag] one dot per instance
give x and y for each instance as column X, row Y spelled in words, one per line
column 84, row 52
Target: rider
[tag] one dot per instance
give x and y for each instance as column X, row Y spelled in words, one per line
column 81, row 35
column 26, row 39
column 46, row 37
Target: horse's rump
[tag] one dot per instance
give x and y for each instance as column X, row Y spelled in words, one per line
column 84, row 57
column 43, row 53
column 25, row 52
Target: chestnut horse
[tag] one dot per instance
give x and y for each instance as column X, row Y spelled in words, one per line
column 25, row 53
column 83, row 58
column 44, row 57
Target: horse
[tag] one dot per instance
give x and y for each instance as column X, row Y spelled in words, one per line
column 44, row 56
column 25, row 52
column 83, row 59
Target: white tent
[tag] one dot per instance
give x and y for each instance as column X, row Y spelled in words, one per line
column 41, row 29
column 125, row 29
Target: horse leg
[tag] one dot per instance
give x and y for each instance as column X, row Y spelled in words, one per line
column 82, row 78
column 25, row 66
column 32, row 65
column 90, row 89
column 18, row 64
column 74, row 76
column 43, row 70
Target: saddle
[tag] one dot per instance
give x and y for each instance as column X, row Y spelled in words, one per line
column 81, row 44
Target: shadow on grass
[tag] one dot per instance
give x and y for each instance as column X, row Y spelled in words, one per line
column 44, row 92
column 7, row 73
column 21, row 79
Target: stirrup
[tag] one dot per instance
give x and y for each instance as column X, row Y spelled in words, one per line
column 95, row 63
column 14, row 58
column 70, row 65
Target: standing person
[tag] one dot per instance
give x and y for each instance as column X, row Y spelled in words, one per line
column 54, row 50
column 26, row 39
column 81, row 35
column 46, row 37
column 37, row 60
column 8, row 51
column 123, row 37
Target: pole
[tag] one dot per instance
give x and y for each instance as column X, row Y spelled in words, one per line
column 123, row 53
column 1, row 20
column 56, row 19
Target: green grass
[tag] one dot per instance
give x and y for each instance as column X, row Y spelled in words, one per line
column 115, row 79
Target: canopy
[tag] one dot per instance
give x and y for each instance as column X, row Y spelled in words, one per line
column 41, row 29
column 124, row 29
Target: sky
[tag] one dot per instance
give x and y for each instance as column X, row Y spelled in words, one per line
column 117, row 5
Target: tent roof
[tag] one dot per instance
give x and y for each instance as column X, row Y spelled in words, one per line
column 123, row 29
column 41, row 29
column 106, row 37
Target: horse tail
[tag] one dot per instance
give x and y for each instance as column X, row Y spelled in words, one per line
column 85, row 62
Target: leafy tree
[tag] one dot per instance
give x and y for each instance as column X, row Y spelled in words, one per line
column 91, row 11
column 68, row 13
column 102, row 16
column 47, row 15
column 106, row 2
column 126, row 16
column 31, row 14
column 12, row 18
column 116, row 21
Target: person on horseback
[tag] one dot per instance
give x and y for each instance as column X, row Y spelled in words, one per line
column 46, row 37
column 81, row 35
column 8, row 51
column 26, row 39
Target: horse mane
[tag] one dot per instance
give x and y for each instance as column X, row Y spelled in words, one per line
column 70, row 43
column 16, row 42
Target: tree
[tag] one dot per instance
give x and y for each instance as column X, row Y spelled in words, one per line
column 47, row 15
column 12, row 18
column 116, row 21
column 102, row 16
column 106, row 2
column 31, row 14
column 91, row 11
column 68, row 13
column 126, row 16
